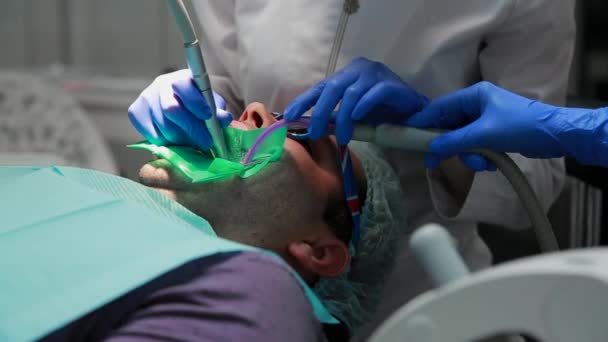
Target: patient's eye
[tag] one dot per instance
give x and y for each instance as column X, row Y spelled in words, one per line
column 297, row 130
column 303, row 141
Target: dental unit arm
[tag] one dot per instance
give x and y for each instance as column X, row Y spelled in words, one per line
column 196, row 64
column 556, row 297
column 413, row 139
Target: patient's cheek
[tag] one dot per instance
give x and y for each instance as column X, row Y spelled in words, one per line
column 168, row 193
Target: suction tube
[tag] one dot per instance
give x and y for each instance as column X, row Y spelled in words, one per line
column 413, row 139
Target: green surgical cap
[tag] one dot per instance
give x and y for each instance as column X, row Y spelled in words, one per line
column 200, row 166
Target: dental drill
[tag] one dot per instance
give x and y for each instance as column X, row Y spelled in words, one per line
column 196, row 64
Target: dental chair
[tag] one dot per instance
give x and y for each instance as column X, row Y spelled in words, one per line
column 556, row 297
column 41, row 124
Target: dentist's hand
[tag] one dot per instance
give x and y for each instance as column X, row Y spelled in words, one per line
column 369, row 91
column 486, row 116
column 171, row 109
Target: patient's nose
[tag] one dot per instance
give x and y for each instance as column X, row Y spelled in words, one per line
column 257, row 116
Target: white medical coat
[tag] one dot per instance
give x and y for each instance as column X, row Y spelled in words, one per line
column 270, row 51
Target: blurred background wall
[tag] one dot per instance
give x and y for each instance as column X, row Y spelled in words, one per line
column 102, row 51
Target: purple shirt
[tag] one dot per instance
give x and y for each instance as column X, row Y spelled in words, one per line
column 246, row 297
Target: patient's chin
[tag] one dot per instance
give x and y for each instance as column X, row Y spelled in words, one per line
column 169, row 193
column 160, row 174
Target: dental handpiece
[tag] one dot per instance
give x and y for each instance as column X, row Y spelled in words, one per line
column 196, row 64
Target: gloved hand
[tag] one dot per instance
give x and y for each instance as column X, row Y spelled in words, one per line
column 171, row 109
column 490, row 117
column 369, row 91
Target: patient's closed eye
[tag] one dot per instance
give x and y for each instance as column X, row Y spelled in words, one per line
column 297, row 130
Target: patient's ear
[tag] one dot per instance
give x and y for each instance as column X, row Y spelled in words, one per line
column 326, row 256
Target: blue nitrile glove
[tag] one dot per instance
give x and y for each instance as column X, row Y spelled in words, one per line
column 369, row 91
column 169, row 112
column 486, row 116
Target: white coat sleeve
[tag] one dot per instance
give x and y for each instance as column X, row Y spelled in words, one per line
column 530, row 54
column 219, row 43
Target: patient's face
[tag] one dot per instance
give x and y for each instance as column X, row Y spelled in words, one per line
column 287, row 195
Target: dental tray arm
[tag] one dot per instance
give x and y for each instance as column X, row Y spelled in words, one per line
column 413, row 139
column 554, row 297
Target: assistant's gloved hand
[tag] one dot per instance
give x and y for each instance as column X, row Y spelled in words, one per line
column 171, row 109
column 486, row 116
column 369, row 91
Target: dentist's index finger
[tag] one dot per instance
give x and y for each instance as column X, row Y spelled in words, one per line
column 303, row 102
column 450, row 111
column 191, row 98
column 330, row 97
column 458, row 141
